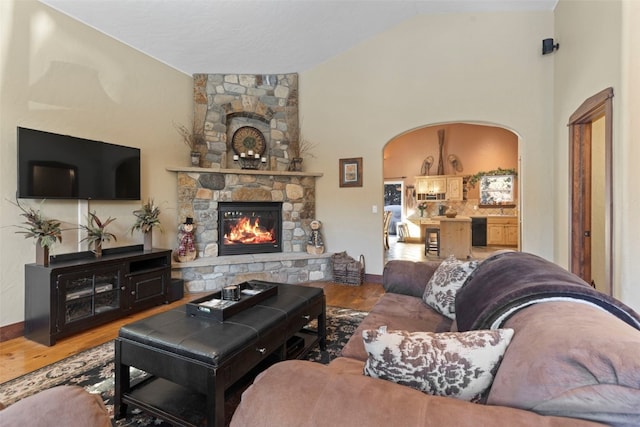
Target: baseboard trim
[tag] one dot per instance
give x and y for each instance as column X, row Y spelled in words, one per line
column 10, row 332
column 373, row 278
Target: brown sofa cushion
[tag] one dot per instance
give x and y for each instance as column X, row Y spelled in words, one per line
column 68, row 406
column 408, row 277
column 301, row 393
column 399, row 312
column 571, row 359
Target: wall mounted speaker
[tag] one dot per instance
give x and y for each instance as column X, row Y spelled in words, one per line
column 548, row 46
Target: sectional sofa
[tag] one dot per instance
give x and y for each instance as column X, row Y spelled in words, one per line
column 514, row 340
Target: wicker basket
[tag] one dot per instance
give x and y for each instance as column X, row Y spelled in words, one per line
column 347, row 270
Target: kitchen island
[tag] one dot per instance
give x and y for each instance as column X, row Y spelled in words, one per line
column 455, row 236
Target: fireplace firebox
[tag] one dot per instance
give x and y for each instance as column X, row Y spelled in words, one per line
column 249, row 227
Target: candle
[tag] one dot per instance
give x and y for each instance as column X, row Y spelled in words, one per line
column 243, row 155
column 250, row 152
column 257, row 156
column 235, row 157
column 264, row 160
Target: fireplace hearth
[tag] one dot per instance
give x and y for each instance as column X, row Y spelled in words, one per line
column 249, row 227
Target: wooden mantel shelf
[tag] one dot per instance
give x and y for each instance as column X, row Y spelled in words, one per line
column 241, row 171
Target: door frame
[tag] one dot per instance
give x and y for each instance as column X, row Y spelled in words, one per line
column 595, row 107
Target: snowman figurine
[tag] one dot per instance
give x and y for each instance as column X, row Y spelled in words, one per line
column 186, row 249
column 315, row 245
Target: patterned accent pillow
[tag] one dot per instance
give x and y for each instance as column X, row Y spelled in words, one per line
column 454, row 364
column 440, row 293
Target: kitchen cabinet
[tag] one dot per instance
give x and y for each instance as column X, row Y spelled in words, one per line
column 431, row 187
column 502, row 231
column 440, row 187
column 455, row 188
column 511, row 234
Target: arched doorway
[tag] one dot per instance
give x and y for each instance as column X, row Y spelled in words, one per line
column 469, row 149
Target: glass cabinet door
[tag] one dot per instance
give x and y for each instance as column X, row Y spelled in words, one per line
column 88, row 294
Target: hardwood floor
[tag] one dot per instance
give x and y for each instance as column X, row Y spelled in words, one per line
column 20, row 355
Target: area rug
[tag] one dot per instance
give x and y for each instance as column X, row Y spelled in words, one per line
column 93, row 370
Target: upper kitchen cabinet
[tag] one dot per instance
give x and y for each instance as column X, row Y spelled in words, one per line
column 455, row 188
column 440, row 187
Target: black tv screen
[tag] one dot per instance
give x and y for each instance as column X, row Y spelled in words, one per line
column 53, row 166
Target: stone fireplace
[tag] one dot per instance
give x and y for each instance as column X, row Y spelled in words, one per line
column 269, row 105
column 202, row 191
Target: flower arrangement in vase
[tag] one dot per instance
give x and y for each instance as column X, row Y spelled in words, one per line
column 97, row 233
column 46, row 231
column 146, row 219
column 422, row 207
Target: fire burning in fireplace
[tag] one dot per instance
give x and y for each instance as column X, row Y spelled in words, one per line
column 249, row 227
column 247, row 233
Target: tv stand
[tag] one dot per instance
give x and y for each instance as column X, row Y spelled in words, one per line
column 77, row 291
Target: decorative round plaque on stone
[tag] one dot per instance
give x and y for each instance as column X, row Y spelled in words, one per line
column 247, row 139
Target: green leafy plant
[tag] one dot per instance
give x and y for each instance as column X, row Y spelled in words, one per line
column 473, row 179
column 37, row 226
column 147, row 217
column 96, row 231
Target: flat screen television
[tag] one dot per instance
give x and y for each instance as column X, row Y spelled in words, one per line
column 53, row 166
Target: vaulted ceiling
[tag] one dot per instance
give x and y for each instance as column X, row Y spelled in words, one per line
column 260, row 36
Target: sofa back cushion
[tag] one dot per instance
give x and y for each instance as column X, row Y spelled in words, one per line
column 407, row 277
column 571, row 359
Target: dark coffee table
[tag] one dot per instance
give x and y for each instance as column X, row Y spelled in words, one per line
column 193, row 360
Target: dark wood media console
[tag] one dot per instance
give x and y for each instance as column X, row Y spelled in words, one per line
column 77, row 291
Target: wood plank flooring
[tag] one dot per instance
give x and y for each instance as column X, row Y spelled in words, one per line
column 20, row 355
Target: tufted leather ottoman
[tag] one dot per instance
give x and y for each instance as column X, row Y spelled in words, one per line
column 191, row 357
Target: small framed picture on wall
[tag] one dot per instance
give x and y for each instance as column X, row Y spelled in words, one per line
column 351, row 172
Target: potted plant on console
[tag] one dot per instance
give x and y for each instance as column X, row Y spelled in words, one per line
column 97, row 233
column 146, row 219
column 45, row 230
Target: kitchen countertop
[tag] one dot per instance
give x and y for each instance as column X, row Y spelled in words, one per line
column 459, row 218
column 494, row 216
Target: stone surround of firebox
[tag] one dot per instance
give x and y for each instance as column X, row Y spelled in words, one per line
column 200, row 190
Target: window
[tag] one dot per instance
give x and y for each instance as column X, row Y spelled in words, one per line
column 496, row 189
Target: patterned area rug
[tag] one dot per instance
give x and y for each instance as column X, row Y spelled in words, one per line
column 93, row 369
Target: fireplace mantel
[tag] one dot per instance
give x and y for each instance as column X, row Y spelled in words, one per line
column 241, row 171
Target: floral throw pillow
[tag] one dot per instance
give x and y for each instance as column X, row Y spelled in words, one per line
column 454, row 364
column 440, row 293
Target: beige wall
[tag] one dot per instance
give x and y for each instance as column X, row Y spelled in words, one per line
column 481, row 68
column 627, row 155
column 59, row 75
column 599, row 45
